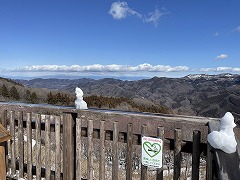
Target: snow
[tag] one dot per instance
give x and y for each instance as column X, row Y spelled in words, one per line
column 33, row 141
column 79, row 102
column 224, row 139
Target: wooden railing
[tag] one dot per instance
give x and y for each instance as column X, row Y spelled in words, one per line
column 65, row 143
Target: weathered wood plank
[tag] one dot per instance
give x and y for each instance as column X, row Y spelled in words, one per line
column 196, row 155
column 144, row 130
column 47, row 148
column 209, row 168
column 160, row 134
column 78, row 149
column 5, row 144
column 129, row 151
column 115, row 151
column 90, row 150
column 58, row 147
column 102, row 151
column 29, row 145
column 20, row 144
column 38, row 145
column 12, row 143
column 2, row 164
column 177, row 153
column 68, row 144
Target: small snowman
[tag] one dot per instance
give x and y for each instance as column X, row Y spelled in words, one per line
column 225, row 138
column 79, row 102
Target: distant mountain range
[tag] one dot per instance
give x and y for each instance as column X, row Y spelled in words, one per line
column 199, row 94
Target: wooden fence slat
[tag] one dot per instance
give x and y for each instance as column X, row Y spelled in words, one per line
column 102, row 151
column 58, row 147
column 38, row 145
column 160, row 134
column 209, row 168
column 129, row 151
column 78, row 148
column 12, row 143
column 115, row 151
column 196, row 155
column 144, row 132
column 2, row 164
column 90, row 150
column 47, row 147
column 5, row 144
column 29, row 145
column 68, row 144
column 20, row 144
column 3, row 148
column 177, row 153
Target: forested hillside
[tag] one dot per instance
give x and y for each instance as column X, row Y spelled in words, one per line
column 198, row 95
column 11, row 91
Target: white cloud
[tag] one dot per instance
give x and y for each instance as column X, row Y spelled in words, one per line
column 154, row 17
column 112, row 70
column 120, row 10
column 222, row 56
column 237, row 29
column 206, row 69
column 101, row 68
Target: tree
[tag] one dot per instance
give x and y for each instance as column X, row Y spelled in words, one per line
column 33, row 97
column 4, row 91
column 28, row 96
column 59, row 98
column 50, row 98
column 66, row 99
column 14, row 93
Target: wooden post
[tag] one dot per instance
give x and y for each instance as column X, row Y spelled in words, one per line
column 47, row 148
column 78, row 148
column 196, row 155
column 4, row 136
column 4, row 126
column 115, row 151
column 2, row 164
column 90, row 150
column 29, row 145
column 20, row 144
column 144, row 168
column 160, row 134
column 129, row 151
column 177, row 153
column 68, row 144
column 58, row 147
column 209, row 168
column 12, row 143
column 38, row 145
column 102, row 151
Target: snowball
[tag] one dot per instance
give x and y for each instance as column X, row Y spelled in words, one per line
column 79, row 102
column 227, row 121
column 225, row 138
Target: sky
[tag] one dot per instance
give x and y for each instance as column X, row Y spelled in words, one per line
column 134, row 38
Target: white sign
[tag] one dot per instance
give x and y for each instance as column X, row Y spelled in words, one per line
column 152, row 152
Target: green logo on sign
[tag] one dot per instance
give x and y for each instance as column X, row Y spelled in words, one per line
column 151, row 149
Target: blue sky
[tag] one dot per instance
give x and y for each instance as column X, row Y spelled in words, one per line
column 119, row 38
